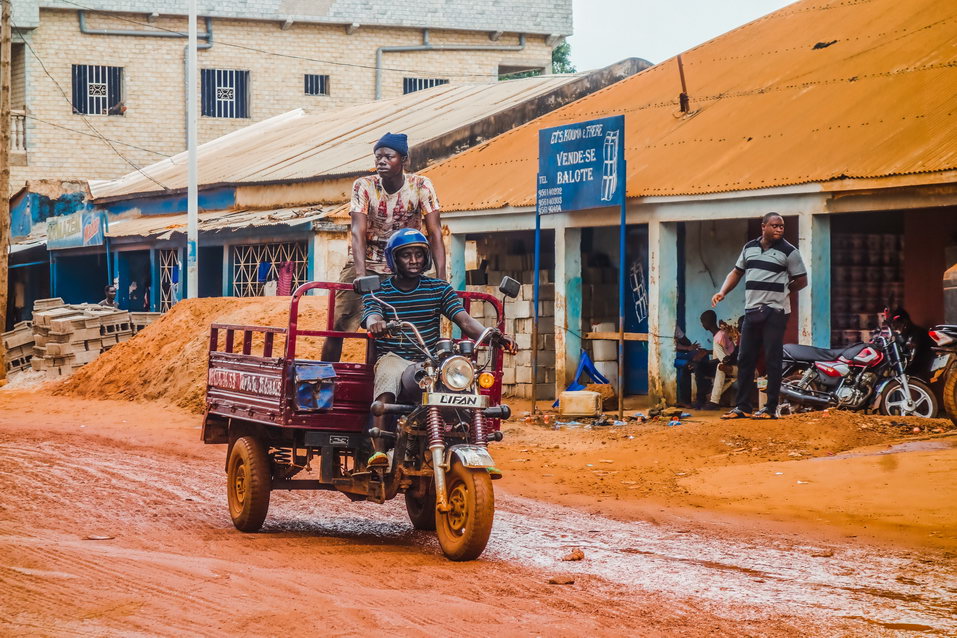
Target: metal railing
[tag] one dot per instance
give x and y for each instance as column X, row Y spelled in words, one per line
column 18, row 131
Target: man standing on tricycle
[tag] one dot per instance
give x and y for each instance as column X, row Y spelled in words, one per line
column 382, row 204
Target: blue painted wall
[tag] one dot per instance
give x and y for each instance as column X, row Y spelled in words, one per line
column 213, row 199
column 32, row 208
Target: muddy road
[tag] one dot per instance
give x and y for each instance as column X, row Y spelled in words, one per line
column 113, row 522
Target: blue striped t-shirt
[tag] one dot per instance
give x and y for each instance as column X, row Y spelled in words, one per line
column 423, row 306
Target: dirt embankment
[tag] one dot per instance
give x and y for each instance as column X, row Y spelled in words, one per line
column 167, row 361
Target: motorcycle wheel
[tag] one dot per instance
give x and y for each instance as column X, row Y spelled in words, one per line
column 248, row 484
column 950, row 393
column 892, row 399
column 421, row 509
column 464, row 530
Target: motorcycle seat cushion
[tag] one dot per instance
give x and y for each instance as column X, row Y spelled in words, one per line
column 798, row 352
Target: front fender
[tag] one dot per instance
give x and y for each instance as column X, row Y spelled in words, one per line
column 474, row 456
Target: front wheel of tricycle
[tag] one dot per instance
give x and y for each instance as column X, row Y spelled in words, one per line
column 463, row 531
column 248, row 484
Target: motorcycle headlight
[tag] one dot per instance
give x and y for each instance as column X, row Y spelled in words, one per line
column 457, row 373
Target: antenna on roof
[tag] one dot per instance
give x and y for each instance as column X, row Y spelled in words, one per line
column 683, row 100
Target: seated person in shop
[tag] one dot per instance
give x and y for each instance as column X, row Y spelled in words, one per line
column 686, row 353
column 916, row 340
column 710, row 373
column 421, row 301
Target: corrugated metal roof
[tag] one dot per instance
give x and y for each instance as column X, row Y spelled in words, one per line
column 163, row 227
column 814, row 92
column 299, row 145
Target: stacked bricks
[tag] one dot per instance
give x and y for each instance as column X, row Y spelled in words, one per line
column 519, row 317
column 18, row 346
column 67, row 337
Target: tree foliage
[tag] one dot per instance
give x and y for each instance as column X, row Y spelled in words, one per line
column 561, row 63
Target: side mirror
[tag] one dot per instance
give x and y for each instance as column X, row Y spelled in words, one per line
column 510, row 287
column 365, row 285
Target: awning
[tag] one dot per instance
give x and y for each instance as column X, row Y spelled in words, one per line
column 164, row 227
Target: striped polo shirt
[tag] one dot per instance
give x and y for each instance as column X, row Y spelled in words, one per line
column 423, row 307
column 767, row 273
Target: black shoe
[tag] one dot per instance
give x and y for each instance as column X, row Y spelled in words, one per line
column 710, row 405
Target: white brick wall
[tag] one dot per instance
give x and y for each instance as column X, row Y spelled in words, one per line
column 154, row 91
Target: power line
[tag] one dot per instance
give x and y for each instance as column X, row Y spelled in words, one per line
column 85, row 119
column 78, row 131
column 299, row 57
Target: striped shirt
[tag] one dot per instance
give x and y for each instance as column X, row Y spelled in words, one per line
column 423, row 306
column 767, row 273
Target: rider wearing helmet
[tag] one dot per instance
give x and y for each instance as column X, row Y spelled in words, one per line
column 421, row 301
column 381, row 204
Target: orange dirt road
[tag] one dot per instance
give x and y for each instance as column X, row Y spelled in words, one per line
column 113, row 522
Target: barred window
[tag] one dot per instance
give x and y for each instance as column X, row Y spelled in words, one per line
column 225, row 93
column 97, row 90
column 317, row 84
column 410, row 85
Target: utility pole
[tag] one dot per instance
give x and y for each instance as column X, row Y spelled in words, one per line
column 192, row 196
column 6, row 52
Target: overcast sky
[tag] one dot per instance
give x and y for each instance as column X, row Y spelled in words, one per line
column 609, row 30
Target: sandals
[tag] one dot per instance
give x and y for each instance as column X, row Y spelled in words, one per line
column 735, row 413
column 764, row 414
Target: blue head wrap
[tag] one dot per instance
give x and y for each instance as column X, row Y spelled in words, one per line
column 398, row 142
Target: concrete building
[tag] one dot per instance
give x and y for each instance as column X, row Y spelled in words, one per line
column 99, row 85
column 836, row 115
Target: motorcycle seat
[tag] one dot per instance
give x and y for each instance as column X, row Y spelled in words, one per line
column 797, row 352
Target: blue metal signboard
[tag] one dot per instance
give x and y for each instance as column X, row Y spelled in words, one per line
column 84, row 228
column 581, row 165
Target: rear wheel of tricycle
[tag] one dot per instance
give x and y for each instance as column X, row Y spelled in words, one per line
column 421, row 506
column 463, row 531
column 248, row 484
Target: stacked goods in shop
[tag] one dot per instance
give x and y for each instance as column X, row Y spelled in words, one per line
column 867, row 278
column 18, row 346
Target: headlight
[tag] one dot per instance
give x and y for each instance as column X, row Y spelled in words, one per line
column 457, row 373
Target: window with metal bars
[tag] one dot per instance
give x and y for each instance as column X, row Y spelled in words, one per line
column 97, row 90
column 411, row 85
column 317, row 84
column 254, row 265
column 225, row 93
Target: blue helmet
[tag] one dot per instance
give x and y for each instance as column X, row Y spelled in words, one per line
column 403, row 238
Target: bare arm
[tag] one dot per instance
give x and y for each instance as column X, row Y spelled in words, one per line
column 729, row 283
column 433, row 224
column 359, row 224
column 798, row 283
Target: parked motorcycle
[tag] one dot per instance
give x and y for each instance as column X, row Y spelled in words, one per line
column 945, row 366
column 864, row 376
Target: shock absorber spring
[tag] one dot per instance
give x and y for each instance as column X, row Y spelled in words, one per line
column 434, row 426
column 478, row 427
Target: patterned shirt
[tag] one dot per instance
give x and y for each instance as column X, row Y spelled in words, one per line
column 423, row 306
column 767, row 273
column 388, row 213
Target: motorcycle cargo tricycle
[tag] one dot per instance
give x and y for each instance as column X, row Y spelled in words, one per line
column 281, row 415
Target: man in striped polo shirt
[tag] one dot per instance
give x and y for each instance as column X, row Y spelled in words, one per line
column 420, row 300
column 772, row 268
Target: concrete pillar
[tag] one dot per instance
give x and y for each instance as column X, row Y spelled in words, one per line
column 814, row 302
column 226, row 279
column 568, row 304
column 662, row 310
column 455, row 254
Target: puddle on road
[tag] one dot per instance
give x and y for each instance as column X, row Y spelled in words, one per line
column 930, row 445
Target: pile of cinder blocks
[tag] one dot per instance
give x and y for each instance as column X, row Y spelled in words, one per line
column 67, row 336
column 18, row 346
column 519, row 318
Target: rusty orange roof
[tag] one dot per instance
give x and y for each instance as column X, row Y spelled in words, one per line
column 817, row 91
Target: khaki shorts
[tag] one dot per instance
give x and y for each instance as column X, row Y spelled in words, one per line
column 388, row 374
column 348, row 303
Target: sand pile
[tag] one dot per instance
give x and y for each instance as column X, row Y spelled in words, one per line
column 167, row 360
